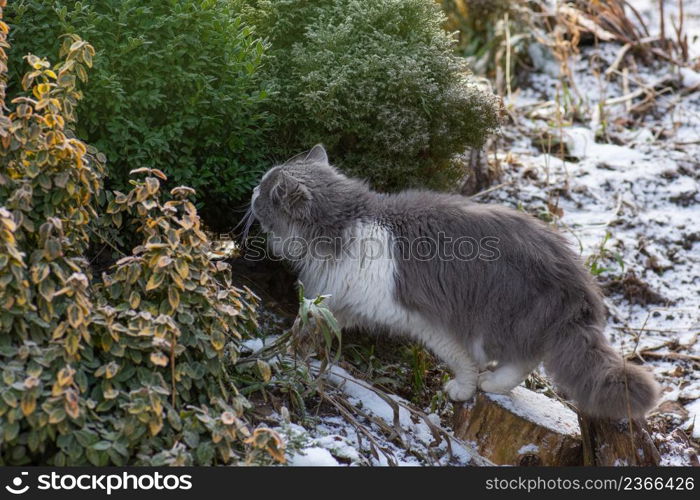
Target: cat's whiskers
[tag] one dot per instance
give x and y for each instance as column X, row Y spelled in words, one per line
column 247, row 221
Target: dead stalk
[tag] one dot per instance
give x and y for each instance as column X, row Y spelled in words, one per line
column 508, row 48
column 662, row 23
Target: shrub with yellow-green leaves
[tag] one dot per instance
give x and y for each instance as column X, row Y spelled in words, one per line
column 136, row 366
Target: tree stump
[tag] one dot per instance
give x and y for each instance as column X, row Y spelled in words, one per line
column 523, row 428
column 609, row 443
column 528, row 428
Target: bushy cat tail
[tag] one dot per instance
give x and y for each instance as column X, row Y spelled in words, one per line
column 603, row 384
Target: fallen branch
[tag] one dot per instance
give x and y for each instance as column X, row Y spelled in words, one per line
column 670, row 355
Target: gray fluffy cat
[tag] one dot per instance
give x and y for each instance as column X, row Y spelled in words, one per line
column 477, row 284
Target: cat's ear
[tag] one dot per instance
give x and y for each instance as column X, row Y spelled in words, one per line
column 317, row 155
column 296, row 158
column 289, row 192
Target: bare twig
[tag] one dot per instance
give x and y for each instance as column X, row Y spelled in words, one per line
column 649, row 89
column 618, row 59
column 491, row 189
column 106, row 241
column 662, row 23
column 626, row 87
column 375, row 447
column 508, row 49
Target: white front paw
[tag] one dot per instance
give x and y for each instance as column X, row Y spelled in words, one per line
column 459, row 390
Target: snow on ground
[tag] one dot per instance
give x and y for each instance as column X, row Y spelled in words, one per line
column 649, row 11
column 415, row 442
column 636, row 179
column 313, row 456
column 694, row 418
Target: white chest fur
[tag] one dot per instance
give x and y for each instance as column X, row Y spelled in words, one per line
column 361, row 282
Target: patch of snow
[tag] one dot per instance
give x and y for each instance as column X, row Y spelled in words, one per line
column 539, row 409
column 671, row 393
column 340, row 447
column 528, row 448
column 258, row 343
column 689, row 78
column 313, row 457
column 690, row 392
column 582, row 145
column 542, row 60
column 694, row 417
column 254, row 345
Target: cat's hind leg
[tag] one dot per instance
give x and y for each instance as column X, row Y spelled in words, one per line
column 504, row 378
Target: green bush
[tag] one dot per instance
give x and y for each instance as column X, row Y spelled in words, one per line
column 376, row 81
column 172, row 87
column 136, row 366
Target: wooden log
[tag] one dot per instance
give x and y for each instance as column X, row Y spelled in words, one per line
column 523, row 428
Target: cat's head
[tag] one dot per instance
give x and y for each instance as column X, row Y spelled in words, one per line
column 304, row 191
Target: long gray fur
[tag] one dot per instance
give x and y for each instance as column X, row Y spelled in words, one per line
column 534, row 302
